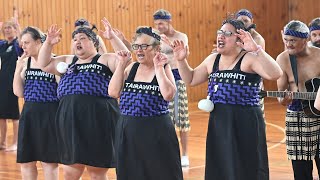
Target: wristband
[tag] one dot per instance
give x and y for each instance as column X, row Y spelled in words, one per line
column 257, row 51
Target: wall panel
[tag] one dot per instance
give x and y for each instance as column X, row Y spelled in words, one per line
column 304, row 11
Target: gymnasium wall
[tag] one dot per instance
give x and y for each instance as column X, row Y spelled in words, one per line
column 199, row 19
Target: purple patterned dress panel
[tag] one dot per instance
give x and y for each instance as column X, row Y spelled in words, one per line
column 40, row 86
column 234, row 87
column 86, row 79
column 142, row 99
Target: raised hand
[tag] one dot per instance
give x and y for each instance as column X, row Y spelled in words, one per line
column 247, row 43
column 16, row 20
column 21, row 65
column 53, row 35
column 180, row 51
column 160, row 59
column 15, row 15
column 124, row 56
column 108, row 33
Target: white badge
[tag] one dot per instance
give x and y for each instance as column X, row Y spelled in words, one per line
column 206, row 105
column 62, row 67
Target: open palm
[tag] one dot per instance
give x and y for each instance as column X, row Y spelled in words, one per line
column 180, row 51
column 247, row 43
column 108, row 33
column 53, row 35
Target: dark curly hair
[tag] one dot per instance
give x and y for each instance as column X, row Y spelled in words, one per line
column 234, row 22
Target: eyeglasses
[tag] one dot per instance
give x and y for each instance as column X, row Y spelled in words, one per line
column 141, row 46
column 225, row 33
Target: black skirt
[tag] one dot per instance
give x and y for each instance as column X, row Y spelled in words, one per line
column 236, row 147
column 147, row 149
column 86, row 130
column 37, row 139
column 9, row 107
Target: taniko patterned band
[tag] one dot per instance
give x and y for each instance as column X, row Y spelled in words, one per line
column 243, row 13
column 155, row 17
column 296, row 33
column 313, row 28
column 89, row 32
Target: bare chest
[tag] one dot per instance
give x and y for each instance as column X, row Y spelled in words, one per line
column 307, row 69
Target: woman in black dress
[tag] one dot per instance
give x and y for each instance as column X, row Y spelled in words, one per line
column 147, row 145
column 236, row 147
column 37, row 139
column 87, row 114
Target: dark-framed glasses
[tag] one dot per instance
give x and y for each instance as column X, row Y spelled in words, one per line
column 225, row 33
column 141, row 46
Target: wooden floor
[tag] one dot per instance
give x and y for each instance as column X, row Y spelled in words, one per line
column 280, row 167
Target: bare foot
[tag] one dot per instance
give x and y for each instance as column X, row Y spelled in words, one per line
column 2, row 146
column 11, row 148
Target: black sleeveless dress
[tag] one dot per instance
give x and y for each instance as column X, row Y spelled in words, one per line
column 86, row 115
column 37, row 140
column 147, row 145
column 236, row 146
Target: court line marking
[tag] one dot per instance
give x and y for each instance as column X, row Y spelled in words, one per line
column 269, row 148
column 281, row 129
